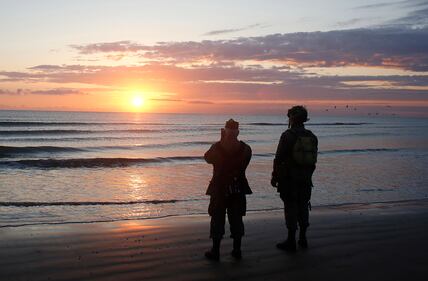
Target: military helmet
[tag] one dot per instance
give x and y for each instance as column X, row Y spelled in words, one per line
column 298, row 113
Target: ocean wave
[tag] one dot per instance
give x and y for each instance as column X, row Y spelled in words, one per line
column 89, row 132
column 88, row 203
column 11, row 151
column 93, row 162
column 375, row 189
column 8, row 151
column 126, row 162
column 184, row 143
column 368, row 134
column 94, row 138
column 53, row 163
column 43, row 124
column 70, row 139
column 151, row 145
column 364, row 150
column 41, row 132
column 264, row 124
column 339, row 124
column 47, row 124
column 71, row 132
column 339, row 151
column 310, row 124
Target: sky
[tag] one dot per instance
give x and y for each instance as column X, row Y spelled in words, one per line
column 184, row 56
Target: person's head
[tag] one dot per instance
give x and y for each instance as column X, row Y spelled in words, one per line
column 231, row 129
column 297, row 115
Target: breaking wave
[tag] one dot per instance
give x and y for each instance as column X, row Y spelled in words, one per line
column 88, row 203
column 126, row 162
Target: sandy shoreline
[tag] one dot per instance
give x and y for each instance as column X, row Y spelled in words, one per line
column 379, row 241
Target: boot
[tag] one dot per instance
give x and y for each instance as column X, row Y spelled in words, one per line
column 289, row 245
column 303, row 241
column 214, row 253
column 236, row 252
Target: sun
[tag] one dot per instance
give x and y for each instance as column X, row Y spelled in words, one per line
column 137, row 101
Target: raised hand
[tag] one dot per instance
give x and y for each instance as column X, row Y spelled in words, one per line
column 222, row 135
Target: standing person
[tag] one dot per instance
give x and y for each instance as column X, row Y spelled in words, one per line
column 228, row 187
column 293, row 167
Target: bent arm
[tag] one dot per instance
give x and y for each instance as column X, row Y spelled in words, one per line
column 248, row 155
column 211, row 156
column 283, row 150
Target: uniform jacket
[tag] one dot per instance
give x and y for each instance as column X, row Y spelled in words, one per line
column 285, row 170
column 223, row 162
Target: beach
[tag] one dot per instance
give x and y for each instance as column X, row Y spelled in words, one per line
column 376, row 241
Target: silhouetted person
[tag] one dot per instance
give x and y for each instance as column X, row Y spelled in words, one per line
column 228, row 187
column 293, row 167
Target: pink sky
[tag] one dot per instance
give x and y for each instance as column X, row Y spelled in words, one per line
column 248, row 68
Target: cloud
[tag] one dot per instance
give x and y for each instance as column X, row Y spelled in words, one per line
column 232, row 30
column 200, row 102
column 108, row 47
column 415, row 20
column 6, row 92
column 399, row 48
column 182, row 100
column 58, row 92
column 405, row 3
column 114, row 75
column 166, row 99
column 416, row 17
column 233, row 80
column 64, row 67
column 205, row 85
column 393, row 47
column 380, row 5
column 50, row 92
column 264, row 69
column 350, row 22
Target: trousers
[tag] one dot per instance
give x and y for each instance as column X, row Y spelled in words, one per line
column 296, row 205
column 235, row 207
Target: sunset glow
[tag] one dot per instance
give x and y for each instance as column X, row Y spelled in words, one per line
column 211, row 67
column 120, row 157
column 138, row 102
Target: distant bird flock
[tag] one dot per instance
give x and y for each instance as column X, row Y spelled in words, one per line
column 354, row 108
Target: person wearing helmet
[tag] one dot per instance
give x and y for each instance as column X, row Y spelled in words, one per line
column 293, row 166
column 228, row 188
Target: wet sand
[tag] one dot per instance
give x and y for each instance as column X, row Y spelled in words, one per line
column 384, row 241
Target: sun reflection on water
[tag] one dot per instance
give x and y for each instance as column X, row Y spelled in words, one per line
column 137, row 186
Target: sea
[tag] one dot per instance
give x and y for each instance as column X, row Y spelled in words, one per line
column 83, row 167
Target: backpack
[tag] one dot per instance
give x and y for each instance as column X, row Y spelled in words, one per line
column 305, row 150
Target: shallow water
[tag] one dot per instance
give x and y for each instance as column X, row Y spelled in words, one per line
column 58, row 167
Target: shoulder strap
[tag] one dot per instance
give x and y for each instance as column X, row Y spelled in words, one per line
column 292, row 130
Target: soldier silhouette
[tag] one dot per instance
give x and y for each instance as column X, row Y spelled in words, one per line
column 293, row 167
column 228, row 188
